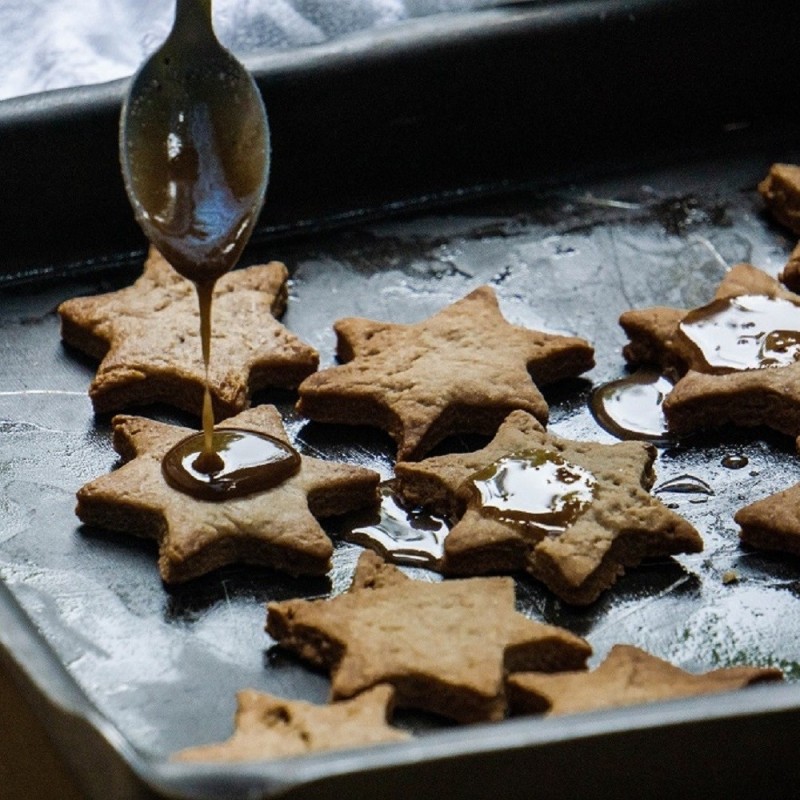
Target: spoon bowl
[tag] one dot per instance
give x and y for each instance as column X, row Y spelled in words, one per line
column 194, row 148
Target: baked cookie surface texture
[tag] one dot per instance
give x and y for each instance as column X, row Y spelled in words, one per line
column 276, row 527
column 781, row 192
column 147, row 338
column 269, row 727
column 628, row 676
column 573, row 514
column 446, row 647
column 461, row 370
column 772, row 523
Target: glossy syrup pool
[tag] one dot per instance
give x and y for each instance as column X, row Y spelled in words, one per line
column 243, row 462
column 631, row 407
column 569, row 261
column 745, row 332
column 533, row 487
column 401, row 533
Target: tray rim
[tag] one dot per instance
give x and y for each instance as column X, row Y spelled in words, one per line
column 72, row 719
column 447, row 45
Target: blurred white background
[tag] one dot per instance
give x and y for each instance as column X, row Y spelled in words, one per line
column 51, row 44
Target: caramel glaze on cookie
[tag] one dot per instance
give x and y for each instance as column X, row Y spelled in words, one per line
column 616, row 523
column 708, row 397
column 462, row 370
column 277, row 527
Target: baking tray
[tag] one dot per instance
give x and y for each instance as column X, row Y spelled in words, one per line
column 124, row 671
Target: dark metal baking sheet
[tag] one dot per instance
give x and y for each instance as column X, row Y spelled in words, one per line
column 125, row 671
column 161, row 666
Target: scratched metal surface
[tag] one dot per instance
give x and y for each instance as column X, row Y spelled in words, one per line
column 163, row 665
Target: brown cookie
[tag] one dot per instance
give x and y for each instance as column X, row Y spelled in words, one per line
column 276, row 527
column 147, row 338
column 790, row 276
column 773, row 523
column 781, row 193
column 628, row 676
column 578, row 516
column 269, row 727
column 725, row 391
column 445, row 647
column 461, row 370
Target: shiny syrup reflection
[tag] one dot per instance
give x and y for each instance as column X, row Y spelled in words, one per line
column 194, row 150
column 745, row 332
column 734, row 461
column 632, row 407
column 696, row 489
column 201, row 192
column 248, row 462
column 402, row 533
column 533, row 487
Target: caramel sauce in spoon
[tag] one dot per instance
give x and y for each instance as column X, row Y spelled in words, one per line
column 194, row 151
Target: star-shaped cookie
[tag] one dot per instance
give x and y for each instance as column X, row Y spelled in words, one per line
column 461, row 370
column 772, row 523
column 147, row 338
column 576, row 554
column 628, row 676
column 269, row 727
column 781, row 193
column 445, row 647
column 790, row 275
column 275, row 527
column 708, row 397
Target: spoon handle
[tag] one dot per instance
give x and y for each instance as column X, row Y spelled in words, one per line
column 192, row 20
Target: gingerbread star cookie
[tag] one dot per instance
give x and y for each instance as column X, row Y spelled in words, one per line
column 772, row 523
column 461, row 370
column 269, row 727
column 147, row 338
column 573, row 514
column 628, row 676
column 781, row 193
column 276, row 527
column 790, row 276
column 737, row 355
column 445, row 647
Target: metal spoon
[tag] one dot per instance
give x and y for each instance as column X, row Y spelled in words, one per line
column 194, row 148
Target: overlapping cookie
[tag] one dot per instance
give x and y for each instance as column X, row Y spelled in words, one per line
column 781, row 192
column 461, row 370
column 270, row 727
column 790, row 275
column 446, row 647
column 737, row 355
column 628, row 676
column 573, row 514
column 773, row 522
column 147, row 338
column 276, row 527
